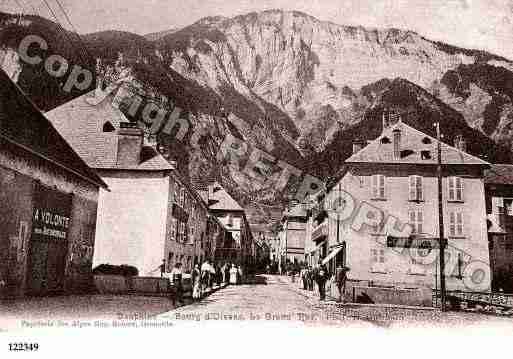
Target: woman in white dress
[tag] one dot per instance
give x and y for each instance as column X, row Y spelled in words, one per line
column 233, row 274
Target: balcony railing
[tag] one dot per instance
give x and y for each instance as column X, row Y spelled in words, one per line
column 320, row 232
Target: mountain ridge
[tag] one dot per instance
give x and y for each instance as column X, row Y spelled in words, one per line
column 287, row 83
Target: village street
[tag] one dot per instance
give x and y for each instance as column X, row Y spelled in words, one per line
column 269, row 299
column 275, row 298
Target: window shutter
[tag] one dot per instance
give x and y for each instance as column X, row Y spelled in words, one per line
column 451, row 188
column 382, row 186
column 452, row 224
column 459, row 189
column 412, row 188
column 375, row 186
column 420, row 220
column 459, row 224
column 413, row 221
column 419, row 188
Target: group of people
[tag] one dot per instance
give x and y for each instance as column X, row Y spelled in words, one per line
column 320, row 275
column 204, row 277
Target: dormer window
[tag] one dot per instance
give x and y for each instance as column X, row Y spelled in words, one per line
column 385, row 140
column 426, row 140
column 108, row 127
column 425, row 155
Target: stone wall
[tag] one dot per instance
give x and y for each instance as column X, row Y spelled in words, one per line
column 19, row 172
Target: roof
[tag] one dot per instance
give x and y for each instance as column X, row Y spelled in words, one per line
column 220, row 200
column 499, row 174
column 25, row 126
column 81, row 124
column 413, row 142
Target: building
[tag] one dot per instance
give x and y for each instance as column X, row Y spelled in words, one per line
column 499, row 208
column 389, row 226
column 238, row 241
column 292, row 234
column 150, row 214
column 49, row 202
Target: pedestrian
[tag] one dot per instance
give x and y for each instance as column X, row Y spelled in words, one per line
column 162, row 268
column 196, row 282
column 310, row 278
column 176, row 276
column 219, row 275
column 340, row 278
column 321, row 276
column 233, row 274
column 304, row 274
column 205, row 275
column 227, row 273
column 240, row 273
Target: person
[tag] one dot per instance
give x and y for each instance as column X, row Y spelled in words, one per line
column 227, row 273
column 219, row 275
column 321, row 277
column 233, row 274
column 239, row 272
column 340, row 278
column 205, row 275
column 196, row 282
column 303, row 275
column 310, row 278
column 176, row 276
column 162, row 268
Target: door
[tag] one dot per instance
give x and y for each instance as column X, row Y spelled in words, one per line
column 49, row 241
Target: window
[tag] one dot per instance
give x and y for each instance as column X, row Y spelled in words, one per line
column 416, row 188
column 108, row 127
column 377, row 255
column 175, row 192
column 172, row 231
column 378, row 260
column 455, row 189
column 378, row 186
column 456, row 224
column 416, row 221
column 508, row 206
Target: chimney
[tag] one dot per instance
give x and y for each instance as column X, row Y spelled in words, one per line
column 460, row 143
column 358, row 145
column 130, row 141
column 397, row 143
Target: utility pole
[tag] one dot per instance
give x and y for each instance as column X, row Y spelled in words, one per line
column 440, row 219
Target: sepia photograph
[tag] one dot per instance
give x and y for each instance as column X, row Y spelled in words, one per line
column 321, row 174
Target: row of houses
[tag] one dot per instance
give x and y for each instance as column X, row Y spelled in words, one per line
column 391, row 236
column 81, row 186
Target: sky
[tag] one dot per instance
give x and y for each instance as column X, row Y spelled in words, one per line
column 479, row 24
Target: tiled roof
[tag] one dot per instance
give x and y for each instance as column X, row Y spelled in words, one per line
column 221, row 200
column 499, row 174
column 23, row 124
column 413, row 143
column 81, row 124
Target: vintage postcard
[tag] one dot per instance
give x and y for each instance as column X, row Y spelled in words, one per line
column 175, row 171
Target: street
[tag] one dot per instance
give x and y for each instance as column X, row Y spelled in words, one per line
column 269, row 299
column 275, row 298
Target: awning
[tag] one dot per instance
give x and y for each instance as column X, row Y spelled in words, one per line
column 332, row 254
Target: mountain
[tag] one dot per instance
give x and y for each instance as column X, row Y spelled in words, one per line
column 296, row 87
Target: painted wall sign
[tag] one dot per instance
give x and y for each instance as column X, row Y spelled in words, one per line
column 52, row 214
